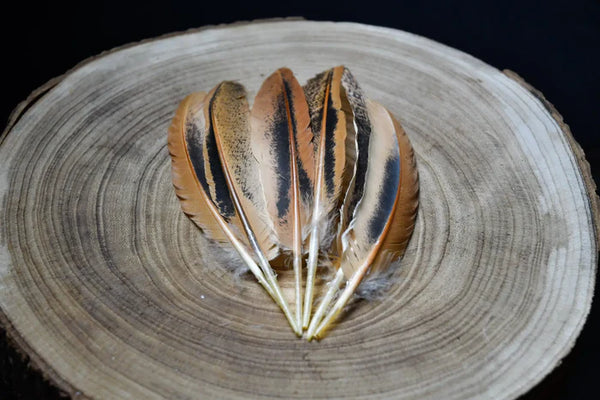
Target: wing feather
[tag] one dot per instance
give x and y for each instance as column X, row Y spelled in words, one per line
column 229, row 115
column 190, row 126
column 384, row 217
column 203, row 179
column 328, row 120
column 282, row 140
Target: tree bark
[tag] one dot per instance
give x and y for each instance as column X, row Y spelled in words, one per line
column 112, row 292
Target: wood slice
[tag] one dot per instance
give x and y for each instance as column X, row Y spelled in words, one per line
column 113, row 292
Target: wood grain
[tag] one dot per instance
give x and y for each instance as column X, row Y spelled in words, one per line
column 113, row 293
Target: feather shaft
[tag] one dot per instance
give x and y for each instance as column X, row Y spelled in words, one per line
column 332, row 289
column 297, row 240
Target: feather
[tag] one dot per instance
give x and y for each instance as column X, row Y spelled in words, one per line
column 229, row 116
column 357, row 146
column 384, row 217
column 357, row 150
column 202, row 179
column 193, row 178
column 282, row 139
column 328, row 121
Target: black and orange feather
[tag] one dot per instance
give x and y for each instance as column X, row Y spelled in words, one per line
column 330, row 130
column 209, row 178
column 283, row 142
column 383, row 219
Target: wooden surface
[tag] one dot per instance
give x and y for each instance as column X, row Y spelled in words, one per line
column 113, row 293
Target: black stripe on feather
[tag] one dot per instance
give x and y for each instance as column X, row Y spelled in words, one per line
column 195, row 144
column 387, row 198
column 280, row 134
column 330, row 143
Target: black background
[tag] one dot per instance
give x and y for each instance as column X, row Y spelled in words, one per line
column 553, row 45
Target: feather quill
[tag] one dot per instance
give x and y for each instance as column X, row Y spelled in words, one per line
column 384, row 217
column 328, row 121
column 282, row 139
column 210, row 196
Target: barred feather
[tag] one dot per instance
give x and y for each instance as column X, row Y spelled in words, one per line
column 383, row 219
column 202, row 176
column 328, row 120
column 282, row 139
